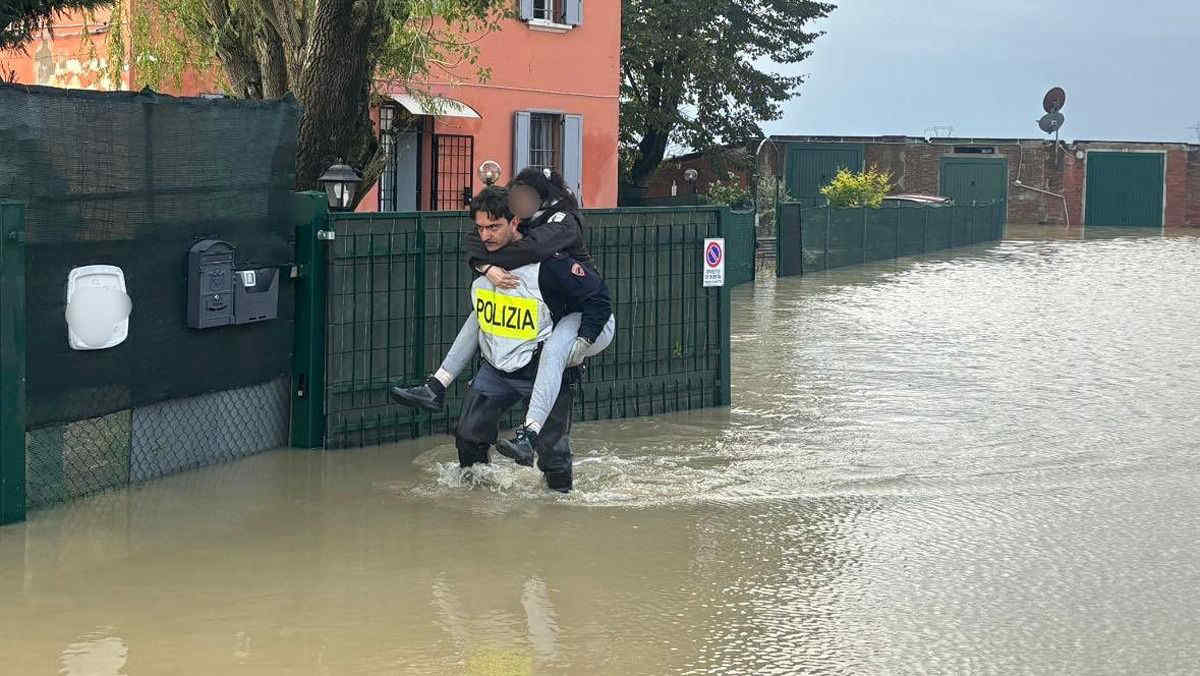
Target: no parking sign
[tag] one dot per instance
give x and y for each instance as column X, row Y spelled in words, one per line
column 714, row 261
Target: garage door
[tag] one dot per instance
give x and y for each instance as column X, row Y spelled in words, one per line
column 811, row 166
column 974, row 179
column 1124, row 189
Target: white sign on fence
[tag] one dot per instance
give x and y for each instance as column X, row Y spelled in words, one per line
column 714, row 261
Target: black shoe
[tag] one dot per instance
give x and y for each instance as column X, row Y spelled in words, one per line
column 430, row 396
column 520, row 447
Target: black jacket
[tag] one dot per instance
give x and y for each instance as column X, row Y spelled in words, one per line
column 567, row 286
column 548, row 233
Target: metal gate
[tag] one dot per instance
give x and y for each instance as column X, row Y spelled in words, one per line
column 1124, row 189
column 811, row 166
column 453, row 159
column 974, row 180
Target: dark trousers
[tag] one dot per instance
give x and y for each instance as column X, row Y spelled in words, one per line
column 489, row 397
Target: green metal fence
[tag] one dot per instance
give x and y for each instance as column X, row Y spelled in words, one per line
column 12, row 362
column 396, row 294
column 741, row 244
column 819, row 238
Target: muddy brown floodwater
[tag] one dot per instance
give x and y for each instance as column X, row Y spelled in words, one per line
column 982, row 461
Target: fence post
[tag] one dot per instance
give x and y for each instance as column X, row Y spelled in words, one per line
column 925, row 230
column 779, row 235
column 864, row 234
column 800, row 234
column 310, row 215
column 12, row 362
column 828, row 228
column 725, row 391
column 898, row 219
column 420, row 277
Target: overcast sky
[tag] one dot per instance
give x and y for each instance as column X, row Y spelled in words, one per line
column 901, row 66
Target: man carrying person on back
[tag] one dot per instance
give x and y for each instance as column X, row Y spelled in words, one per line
column 513, row 324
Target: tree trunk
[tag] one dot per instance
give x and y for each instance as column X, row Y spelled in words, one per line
column 275, row 82
column 335, row 91
column 236, row 53
column 651, row 151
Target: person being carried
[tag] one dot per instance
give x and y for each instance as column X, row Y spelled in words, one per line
column 550, row 224
column 513, row 325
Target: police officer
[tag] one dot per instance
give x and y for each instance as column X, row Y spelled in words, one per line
column 513, row 323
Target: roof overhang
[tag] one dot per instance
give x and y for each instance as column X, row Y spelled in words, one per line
column 440, row 106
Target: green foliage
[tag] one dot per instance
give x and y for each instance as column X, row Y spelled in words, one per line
column 171, row 37
column 20, row 19
column 334, row 56
column 438, row 34
column 767, row 202
column 858, row 189
column 693, row 71
column 729, row 191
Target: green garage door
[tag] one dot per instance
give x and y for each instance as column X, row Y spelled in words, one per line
column 1124, row 189
column 974, row 179
column 811, row 166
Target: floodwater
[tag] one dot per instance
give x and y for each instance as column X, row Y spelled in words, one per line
column 983, row 461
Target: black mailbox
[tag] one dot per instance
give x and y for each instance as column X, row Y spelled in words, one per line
column 210, row 300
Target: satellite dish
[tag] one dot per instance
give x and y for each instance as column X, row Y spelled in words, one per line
column 1054, row 100
column 1051, row 122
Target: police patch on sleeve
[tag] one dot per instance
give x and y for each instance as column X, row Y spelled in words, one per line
column 558, row 217
column 578, row 270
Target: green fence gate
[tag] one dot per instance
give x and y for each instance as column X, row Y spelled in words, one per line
column 741, row 244
column 819, row 238
column 395, row 296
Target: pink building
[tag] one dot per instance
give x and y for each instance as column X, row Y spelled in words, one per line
column 552, row 101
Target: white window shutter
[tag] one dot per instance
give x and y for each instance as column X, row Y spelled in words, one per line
column 575, row 12
column 526, row 10
column 572, row 154
column 521, row 131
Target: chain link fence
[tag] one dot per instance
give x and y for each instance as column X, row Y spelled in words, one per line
column 74, row 459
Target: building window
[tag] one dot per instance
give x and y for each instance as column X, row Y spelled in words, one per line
column 553, row 141
column 555, row 16
column 545, row 141
column 554, row 11
column 452, row 172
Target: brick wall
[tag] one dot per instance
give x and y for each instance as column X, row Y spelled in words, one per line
column 1031, row 161
column 1176, row 208
column 1072, row 179
column 709, row 167
column 1192, row 216
column 888, row 157
column 916, row 166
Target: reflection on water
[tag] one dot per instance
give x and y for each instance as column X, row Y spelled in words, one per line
column 95, row 654
column 979, row 461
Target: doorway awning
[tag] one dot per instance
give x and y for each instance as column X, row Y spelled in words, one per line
column 441, row 106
